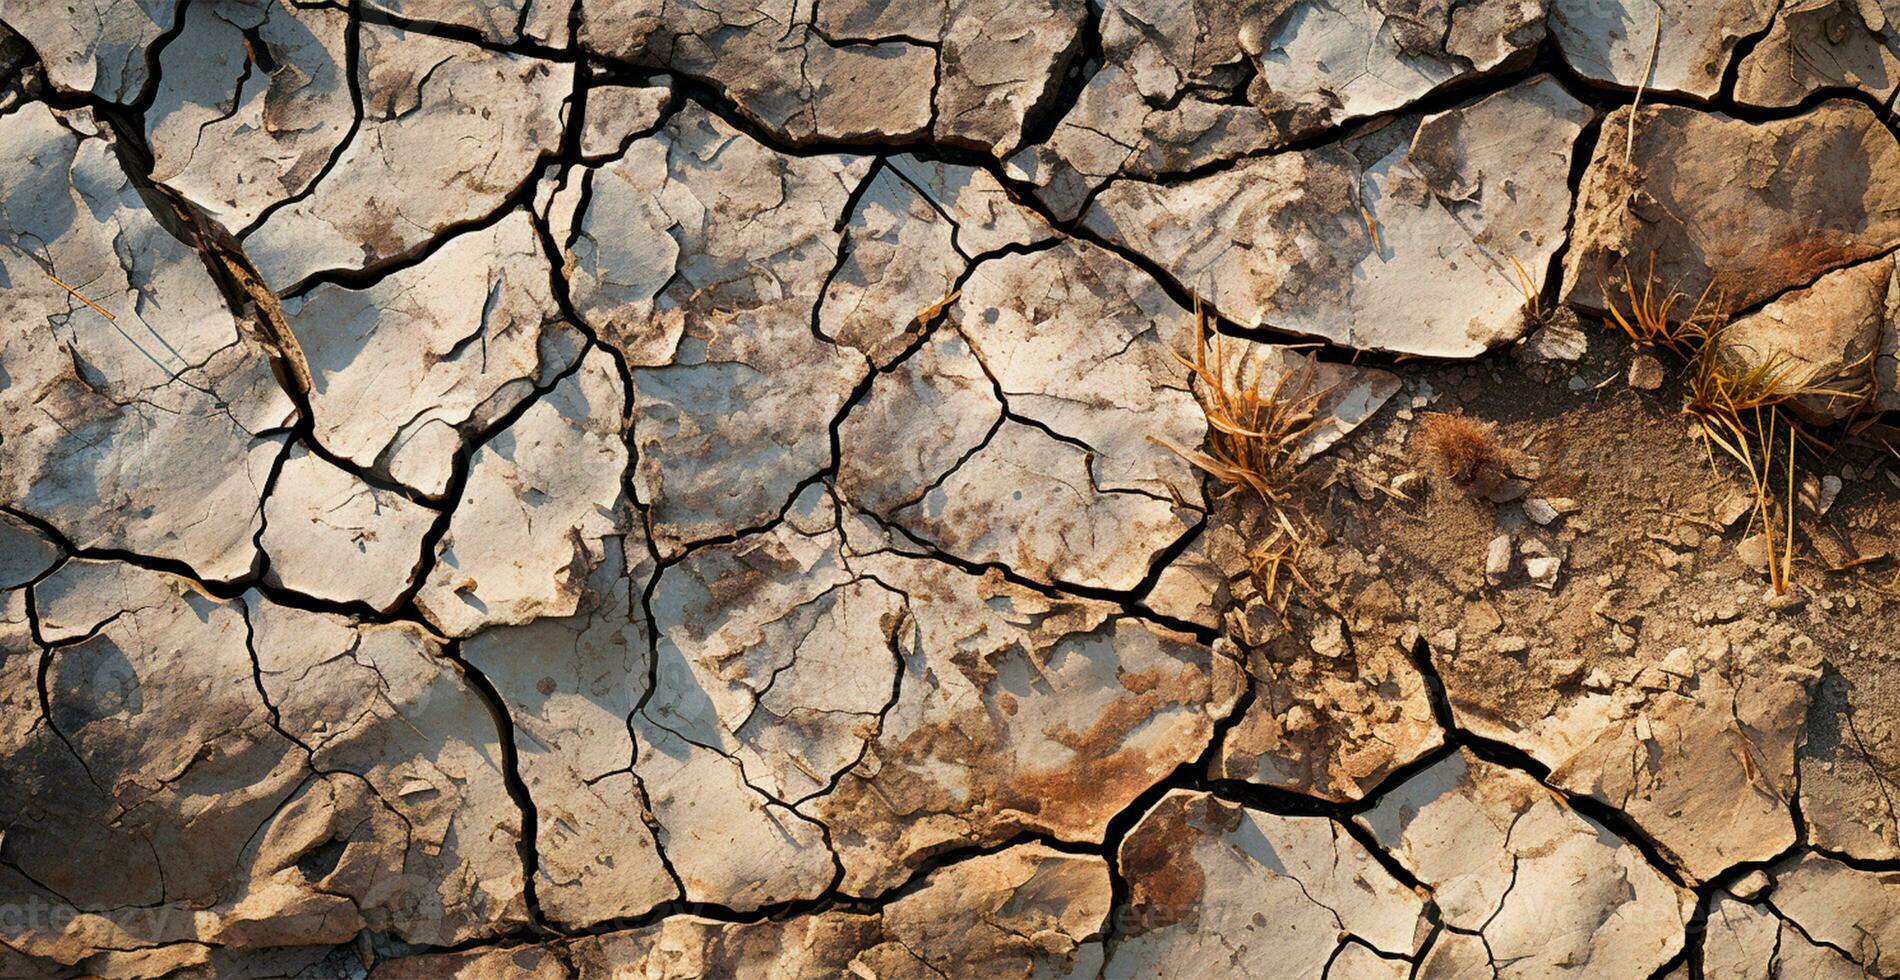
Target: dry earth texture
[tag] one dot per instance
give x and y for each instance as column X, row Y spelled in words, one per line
column 976, row 488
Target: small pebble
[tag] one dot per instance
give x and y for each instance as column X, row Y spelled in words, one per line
column 1497, row 559
column 1751, row 885
column 1646, row 372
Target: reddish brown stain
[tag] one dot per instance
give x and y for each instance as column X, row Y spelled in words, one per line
column 1164, row 882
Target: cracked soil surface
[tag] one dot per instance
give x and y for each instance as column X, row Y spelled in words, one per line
column 674, row 488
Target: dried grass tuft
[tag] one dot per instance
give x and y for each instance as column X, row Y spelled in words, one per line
column 1649, row 323
column 1253, row 434
column 1254, row 441
column 1742, row 410
column 1740, row 405
column 1534, row 312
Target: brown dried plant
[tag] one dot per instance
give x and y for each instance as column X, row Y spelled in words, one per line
column 1275, row 563
column 1254, row 435
column 1255, row 438
column 1464, row 450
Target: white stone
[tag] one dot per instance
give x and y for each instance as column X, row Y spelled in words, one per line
column 405, row 176
column 151, row 426
column 1216, row 888
column 407, row 372
column 233, row 137
column 1613, row 41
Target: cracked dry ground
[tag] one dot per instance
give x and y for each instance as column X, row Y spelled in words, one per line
column 587, row 488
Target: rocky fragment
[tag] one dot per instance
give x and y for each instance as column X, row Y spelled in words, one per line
column 1847, row 773
column 1016, row 713
column 1111, row 132
column 1844, row 908
column 1744, row 941
column 1185, row 86
column 999, row 67
column 793, row 682
column 1545, row 890
column 540, row 498
column 481, row 963
column 1816, row 45
column 913, row 235
column 570, row 684
column 1027, row 500
column 1717, row 730
column 728, row 842
column 252, row 103
column 900, row 264
column 971, row 73
column 24, row 552
column 1068, row 486
column 1332, row 714
column 984, row 215
column 1321, row 63
column 617, row 113
column 1836, row 336
column 905, row 705
column 1216, row 888
column 1690, row 41
column 416, row 758
column 407, row 373
column 150, row 365
column 1399, row 240
column 891, row 453
column 406, row 176
column 1744, row 210
column 502, row 22
column 1646, row 372
column 1497, row 559
column 332, row 536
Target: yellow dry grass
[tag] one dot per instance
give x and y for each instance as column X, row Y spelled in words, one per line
column 1533, row 303
column 1742, row 410
column 1253, row 434
column 1649, row 323
column 1254, row 440
column 1740, row 405
column 80, row 296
